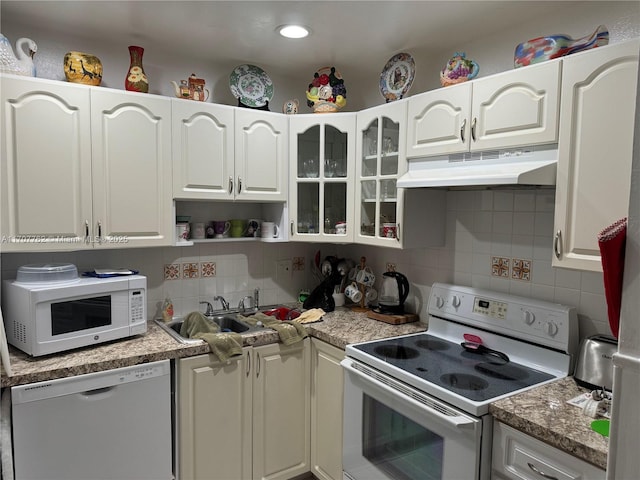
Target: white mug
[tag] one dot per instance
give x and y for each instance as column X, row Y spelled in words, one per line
column 269, row 230
column 366, row 277
column 370, row 294
column 353, row 292
column 338, row 299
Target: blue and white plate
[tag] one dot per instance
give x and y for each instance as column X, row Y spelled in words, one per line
column 397, row 76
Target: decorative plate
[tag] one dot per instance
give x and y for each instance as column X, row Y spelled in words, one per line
column 251, row 85
column 397, row 76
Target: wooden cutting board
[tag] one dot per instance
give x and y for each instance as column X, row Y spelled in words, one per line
column 395, row 319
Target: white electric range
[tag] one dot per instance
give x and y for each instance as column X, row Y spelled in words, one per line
column 416, row 406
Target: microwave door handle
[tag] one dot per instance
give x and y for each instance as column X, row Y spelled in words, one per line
column 458, row 421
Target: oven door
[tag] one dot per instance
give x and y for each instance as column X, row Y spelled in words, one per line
column 393, row 431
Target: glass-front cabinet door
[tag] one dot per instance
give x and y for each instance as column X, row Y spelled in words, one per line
column 380, row 160
column 322, row 152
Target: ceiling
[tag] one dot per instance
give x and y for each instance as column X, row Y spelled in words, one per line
column 361, row 34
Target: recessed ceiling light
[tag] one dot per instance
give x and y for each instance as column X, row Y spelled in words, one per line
column 293, row 31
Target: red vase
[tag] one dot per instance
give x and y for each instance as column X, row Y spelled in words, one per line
column 136, row 80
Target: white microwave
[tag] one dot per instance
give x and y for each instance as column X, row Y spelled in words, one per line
column 44, row 318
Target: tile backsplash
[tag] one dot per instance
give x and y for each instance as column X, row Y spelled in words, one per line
column 495, row 239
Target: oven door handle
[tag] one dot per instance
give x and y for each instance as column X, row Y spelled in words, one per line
column 415, row 397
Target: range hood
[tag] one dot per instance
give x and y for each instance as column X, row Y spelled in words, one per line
column 534, row 166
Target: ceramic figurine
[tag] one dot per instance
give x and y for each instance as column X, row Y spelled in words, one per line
column 290, row 107
column 553, row 46
column 326, row 93
column 23, row 63
column 82, row 68
column 193, row 89
column 459, row 69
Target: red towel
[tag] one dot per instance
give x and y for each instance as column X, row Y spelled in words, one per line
column 612, row 241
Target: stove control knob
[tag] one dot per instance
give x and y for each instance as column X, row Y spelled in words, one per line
column 455, row 301
column 439, row 301
column 550, row 329
column 528, row 317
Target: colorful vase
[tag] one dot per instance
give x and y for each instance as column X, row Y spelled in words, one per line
column 136, row 80
column 542, row 49
column 82, row 68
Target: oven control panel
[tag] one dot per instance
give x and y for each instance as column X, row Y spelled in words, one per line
column 490, row 308
column 538, row 321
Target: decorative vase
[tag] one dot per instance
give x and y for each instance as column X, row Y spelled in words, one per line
column 136, row 80
column 82, row 68
column 542, row 49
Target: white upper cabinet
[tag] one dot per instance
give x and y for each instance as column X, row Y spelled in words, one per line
column 595, row 150
column 131, row 169
column 384, row 214
column 228, row 153
column 203, row 150
column 76, row 159
column 510, row 109
column 321, row 180
column 262, row 153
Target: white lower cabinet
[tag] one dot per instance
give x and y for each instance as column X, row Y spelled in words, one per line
column 245, row 419
column 521, row 457
column 326, row 410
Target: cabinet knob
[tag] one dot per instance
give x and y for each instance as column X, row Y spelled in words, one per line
column 462, row 129
column 239, row 185
column 473, row 129
column 86, row 231
column 230, row 185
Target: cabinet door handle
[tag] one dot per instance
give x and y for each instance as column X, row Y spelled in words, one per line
column 239, row 185
column 257, row 365
column 398, row 232
column 86, row 231
column 230, row 185
column 557, row 244
column 291, row 227
column 540, row 472
column 473, row 129
column 99, row 232
column 462, row 129
column 248, row 363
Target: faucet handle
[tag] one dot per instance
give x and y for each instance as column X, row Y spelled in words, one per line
column 209, row 311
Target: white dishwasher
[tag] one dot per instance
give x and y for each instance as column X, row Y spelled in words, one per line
column 106, row 425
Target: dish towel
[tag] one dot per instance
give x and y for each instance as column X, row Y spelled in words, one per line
column 223, row 345
column 612, row 241
column 310, row 316
column 288, row 331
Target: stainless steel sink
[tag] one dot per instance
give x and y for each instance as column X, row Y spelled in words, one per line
column 227, row 323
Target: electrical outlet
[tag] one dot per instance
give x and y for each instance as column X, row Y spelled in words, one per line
column 391, row 267
column 284, row 268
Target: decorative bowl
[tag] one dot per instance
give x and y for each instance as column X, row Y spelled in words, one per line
column 326, row 92
column 546, row 48
column 458, row 69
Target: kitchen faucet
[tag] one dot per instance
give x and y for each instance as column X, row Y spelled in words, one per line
column 209, row 312
column 225, row 304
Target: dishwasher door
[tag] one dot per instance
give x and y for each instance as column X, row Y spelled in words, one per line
column 106, row 425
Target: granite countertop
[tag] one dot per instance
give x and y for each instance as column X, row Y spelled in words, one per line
column 339, row 328
column 544, row 413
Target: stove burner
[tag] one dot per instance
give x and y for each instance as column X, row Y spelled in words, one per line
column 433, row 344
column 504, row 372
column 464, row 381
column 396, row 351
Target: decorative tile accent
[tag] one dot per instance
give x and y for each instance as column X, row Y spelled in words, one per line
column 208, row 269
column 521, row 269
column 190, row 270
column 298, row 263
column 500, row 267
column 172, row 271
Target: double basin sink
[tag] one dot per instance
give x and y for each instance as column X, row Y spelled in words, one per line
column 227, row 321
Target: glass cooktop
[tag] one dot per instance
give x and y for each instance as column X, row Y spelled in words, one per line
column 474, row 375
